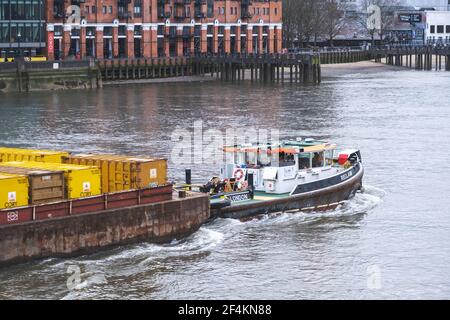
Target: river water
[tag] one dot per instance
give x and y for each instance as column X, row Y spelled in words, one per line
column 391, row 241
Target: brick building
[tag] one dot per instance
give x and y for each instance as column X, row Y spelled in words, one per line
column 156, row 28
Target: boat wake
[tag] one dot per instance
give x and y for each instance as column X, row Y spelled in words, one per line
column 362, row 203
column 129, row 261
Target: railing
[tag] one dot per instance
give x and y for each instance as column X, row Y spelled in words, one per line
column 46, row 65
column 86, row 205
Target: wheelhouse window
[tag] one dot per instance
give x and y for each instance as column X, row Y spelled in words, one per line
column 285, row 159
column 318, row 159
column 304, row 161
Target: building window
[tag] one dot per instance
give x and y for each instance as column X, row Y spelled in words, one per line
column 90, row 31
column 107, row 31
column 276, row 11
column 110, row 11
column 93, row 9
column 210, row 8
column 447, row 28
column 104, row 9
column 440, row 29
column 137, row 8
column 432, row 29
column 86, row 9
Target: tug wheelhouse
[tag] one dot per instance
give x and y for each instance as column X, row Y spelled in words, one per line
column 281, row 168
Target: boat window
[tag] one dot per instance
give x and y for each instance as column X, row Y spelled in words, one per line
column 286, row 159
column 240, row 158
column 304, row 161
column 329, row 157
column 264, row 159
column 250, row 159
column 318, row 159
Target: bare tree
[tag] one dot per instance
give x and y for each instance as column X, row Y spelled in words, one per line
column 333, row 19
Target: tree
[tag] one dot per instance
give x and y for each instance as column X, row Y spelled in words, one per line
column 333, row 18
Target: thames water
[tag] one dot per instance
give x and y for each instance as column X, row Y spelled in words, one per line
column 391, row 241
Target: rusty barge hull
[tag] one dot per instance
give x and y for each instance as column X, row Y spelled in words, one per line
column 319, row 200
column 73, row 235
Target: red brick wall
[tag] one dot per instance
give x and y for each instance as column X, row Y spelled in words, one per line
column 227, row 12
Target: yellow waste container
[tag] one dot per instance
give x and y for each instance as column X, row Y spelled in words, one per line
column 16, row 154
column 125, row 172
column 80, row 181
column 13, row 191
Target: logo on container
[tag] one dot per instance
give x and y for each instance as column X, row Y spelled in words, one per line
column 86, row 187
column 12, row 196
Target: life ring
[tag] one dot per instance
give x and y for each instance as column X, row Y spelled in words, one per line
column 239, row 174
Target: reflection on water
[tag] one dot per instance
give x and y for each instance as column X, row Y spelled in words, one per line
column 400, row 224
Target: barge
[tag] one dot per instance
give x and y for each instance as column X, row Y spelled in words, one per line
column 293, row 176
column 58, row 204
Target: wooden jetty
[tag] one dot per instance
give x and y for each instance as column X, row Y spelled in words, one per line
column 293, row 68
column 415, row 57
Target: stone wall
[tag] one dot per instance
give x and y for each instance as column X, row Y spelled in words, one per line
column 48, row 80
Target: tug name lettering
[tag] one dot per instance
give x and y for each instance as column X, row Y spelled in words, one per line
column 226, row 310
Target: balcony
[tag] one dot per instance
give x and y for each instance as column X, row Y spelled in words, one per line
column 124, row 15
column 199, row 14
column 164, row 14
column 182, row 2
column 246, row 15
column 180, row 15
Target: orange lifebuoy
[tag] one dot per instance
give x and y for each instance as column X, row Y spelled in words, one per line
column 239, row 174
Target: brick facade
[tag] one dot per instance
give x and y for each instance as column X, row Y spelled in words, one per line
column 151, row 28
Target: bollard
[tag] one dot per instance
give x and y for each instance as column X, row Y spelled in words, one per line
column 188, row 179
column 251, row 185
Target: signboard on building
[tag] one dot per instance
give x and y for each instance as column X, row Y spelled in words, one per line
column 50, row 43
column 410, row 17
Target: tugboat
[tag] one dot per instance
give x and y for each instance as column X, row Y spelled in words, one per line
column 301, row 175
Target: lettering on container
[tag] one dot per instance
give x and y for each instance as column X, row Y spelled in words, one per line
column 46, row 178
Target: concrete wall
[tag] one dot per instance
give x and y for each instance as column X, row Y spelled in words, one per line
column 161, row 222
column 35, row 80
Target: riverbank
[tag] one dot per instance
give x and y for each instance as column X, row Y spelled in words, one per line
column 363, row 67
column 161, row 80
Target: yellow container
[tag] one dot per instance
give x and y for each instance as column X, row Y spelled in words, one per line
column 124, row 172
column 13, row 191
column 16, row 154
column 81, row 181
